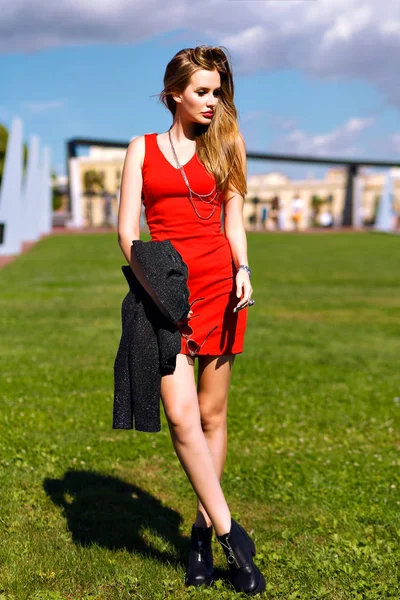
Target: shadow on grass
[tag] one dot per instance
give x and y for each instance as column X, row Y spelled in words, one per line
column 112, row 513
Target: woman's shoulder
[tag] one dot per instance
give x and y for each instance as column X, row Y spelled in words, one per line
column 138, row 148
column 144, row 136
column 139, row 140
column 137, row 145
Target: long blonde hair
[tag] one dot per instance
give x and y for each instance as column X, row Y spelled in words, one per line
column 216, row 143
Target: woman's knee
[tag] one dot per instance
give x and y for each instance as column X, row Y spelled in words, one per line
column 213, row 412
column 179, row 397
column 183, row 416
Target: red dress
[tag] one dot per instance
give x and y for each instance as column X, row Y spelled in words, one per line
column 202, row 245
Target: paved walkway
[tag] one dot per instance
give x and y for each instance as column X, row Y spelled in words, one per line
column 4, row 260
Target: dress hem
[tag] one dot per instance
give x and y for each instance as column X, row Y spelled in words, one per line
column 211, row 354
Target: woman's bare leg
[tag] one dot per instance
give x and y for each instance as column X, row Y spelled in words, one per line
column 214, row 376
column 181, row 406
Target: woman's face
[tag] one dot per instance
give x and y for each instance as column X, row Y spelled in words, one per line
column 198, row 101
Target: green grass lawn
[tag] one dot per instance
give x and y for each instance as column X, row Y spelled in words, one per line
column 314, row 441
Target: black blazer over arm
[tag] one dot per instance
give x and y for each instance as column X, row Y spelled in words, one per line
column 149, row 341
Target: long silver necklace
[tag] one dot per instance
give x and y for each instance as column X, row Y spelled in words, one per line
column 192, row 193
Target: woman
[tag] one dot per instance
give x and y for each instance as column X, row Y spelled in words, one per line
column 185, row 176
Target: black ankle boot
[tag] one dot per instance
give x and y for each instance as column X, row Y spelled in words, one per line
column 200, row 570
column 239, row 549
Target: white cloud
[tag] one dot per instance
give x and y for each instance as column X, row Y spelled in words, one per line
column 339, row 142
column 335, row 39
column 344, row 27
column 283, row 122
column 251, row 115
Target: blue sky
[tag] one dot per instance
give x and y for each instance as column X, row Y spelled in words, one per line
column 311, row 78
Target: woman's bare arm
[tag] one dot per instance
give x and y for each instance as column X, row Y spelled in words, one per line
column 129, row 212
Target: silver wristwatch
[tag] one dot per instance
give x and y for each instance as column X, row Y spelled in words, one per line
column 245, row 268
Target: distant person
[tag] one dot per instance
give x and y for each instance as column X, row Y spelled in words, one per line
column 264, row 217
column 325, row 218
column 188, row 174
column 274, row 213
column 297, row 211
column 107, row 208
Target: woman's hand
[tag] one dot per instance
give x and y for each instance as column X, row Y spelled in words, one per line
column 243, row 289
column 185, row 320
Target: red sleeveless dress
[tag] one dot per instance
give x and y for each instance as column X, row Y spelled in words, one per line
column 202, row 245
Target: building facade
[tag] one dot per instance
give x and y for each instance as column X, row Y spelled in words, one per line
column 273, row 200
column 100, row 178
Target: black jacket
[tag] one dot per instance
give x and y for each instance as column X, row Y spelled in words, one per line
column 149, row 341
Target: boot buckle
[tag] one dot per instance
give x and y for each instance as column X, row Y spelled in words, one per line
column 201, row 551
column 231, row 558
